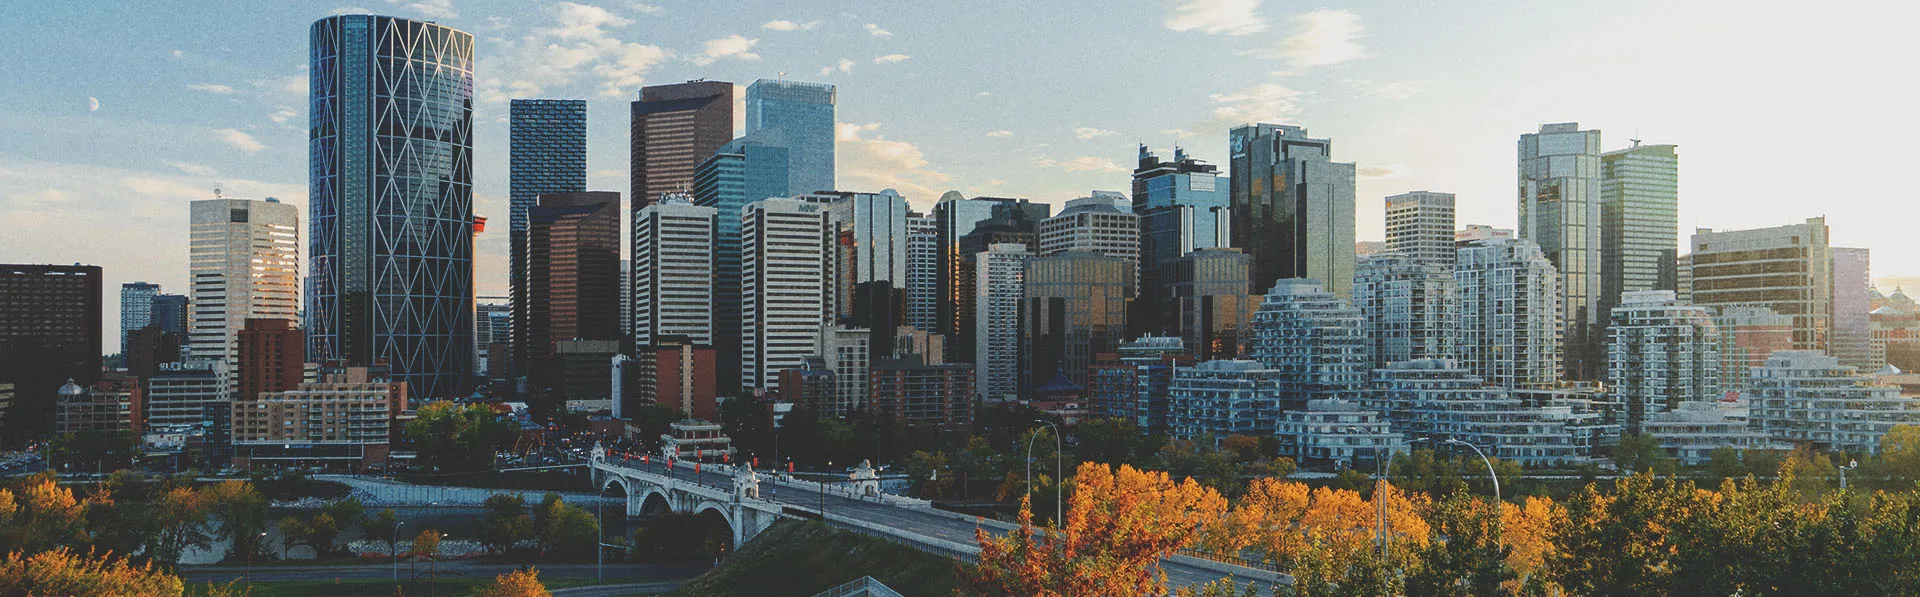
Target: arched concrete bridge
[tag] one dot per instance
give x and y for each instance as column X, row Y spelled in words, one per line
column 749, row 502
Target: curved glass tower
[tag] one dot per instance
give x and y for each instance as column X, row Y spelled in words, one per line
column 391, row 199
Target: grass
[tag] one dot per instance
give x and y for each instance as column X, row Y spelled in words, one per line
column 450, row 587
column 803, row 558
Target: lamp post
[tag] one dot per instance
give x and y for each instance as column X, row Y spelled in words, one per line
column 250, row 549
column 393, row 548
column 1056, row 469
column 1851, row 464
column 433, row 567
column 1483, row 458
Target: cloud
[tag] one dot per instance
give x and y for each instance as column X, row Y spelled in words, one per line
column 432, row 9
column 1397, row 90
column 1080, row 164
column 782, row 25
column 732, row 46
column 93, row 104
column 870, row 161
column 645, row 9
column 983, row 94
column 1228, row 17
column 1319, row 38
column 289, row 85
column 1381, row 171
column 1001, row 134
column 212, row 88
column 179, row 53
column 891, row 59
column 193, row 169
column 1266, row 102
column 876, row 31
column 578, row 42
column 239, row 140
column 282, row 115
column 842, row 66
column 1087, row 132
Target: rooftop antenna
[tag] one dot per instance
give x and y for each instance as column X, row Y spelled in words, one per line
column 216, row 191
column 781, row 76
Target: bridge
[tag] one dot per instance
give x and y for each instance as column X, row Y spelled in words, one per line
column 748, row 502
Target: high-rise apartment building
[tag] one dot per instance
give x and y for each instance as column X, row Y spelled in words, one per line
column 1509, row 322
column 136, row 309
column 1408, row 303
column 1808, row 397
column 1788, row 269
column 1000, row 286
column 800, row 117
column 49, row 333
column 546, row 153
column 1132, row 383
column 1437, row 399
column 1420, row 226
column 1224, row 397
column 849, row 355
column 1075, row 307
column 784, row 288
column 1183, row 206
column 1559, row 203
column 1639, row 221
column 245, row 260
column 1661, row 353
column 1852, row 338
column 1209, row 302
column 675, row 252
column 1292, row 206
column 272, row 358
column 573, row 252
column 391, row 230
column 923, row 273
column 676, row 127
column 917, row 393
column 347, row 416
column 1314, row 339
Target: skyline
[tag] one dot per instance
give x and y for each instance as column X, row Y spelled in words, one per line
column 927, row 103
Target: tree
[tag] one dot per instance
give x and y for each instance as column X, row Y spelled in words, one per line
column 1724, row 463
column 61, row 571
column 565, row 530
column 1469, row 555
column 427, row 543
column 505, row 523
column 41, row 516
column 1639, row 452
column 930, row 475
column 380, row 526
column 1621, row 542
column 452, row 437
column 518, row 583
column 1245, row 447
column 238, row 512
column 182, row 517
column 1898, row 467
column 1109, row 439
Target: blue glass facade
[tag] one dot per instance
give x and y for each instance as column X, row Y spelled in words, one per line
column 800, row 116
column 547, row 153
column 741, row 173
column 391, row 199
column 1183, row 206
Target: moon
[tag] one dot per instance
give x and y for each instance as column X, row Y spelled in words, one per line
column 93, row 104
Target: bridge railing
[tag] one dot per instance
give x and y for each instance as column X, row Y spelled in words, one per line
column 958, row 551
column 864, row 585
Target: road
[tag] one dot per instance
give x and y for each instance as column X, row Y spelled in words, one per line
column 615, row 573
column 617, row 590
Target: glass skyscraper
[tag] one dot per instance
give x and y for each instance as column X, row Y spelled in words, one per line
column 741, row 173
column 1183, row 207
column 799, row 117
column 1639, row 221
column 1560, row 211
column 1292, row 206
column 391, row 199
column 547, row 153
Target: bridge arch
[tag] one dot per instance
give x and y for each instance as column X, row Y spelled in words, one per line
column 722, row 536
column 656, row 502
column 614, row 482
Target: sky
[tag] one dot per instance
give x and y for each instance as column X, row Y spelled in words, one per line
column 114, row 115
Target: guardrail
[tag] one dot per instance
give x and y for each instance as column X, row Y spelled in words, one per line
column 864, row 585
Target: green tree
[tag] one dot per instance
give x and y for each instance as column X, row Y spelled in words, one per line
column 1468, row 555
column 1111, row 440
column 1639, row 453
column 571, row 531
column 380, row 526
column 239, row 513
column 1724, row 463
column 505, row 523
column 1898, row 466
column 1621, row 542
column 452, row 437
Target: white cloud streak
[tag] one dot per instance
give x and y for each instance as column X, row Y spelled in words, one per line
column 733, row 46
column 1000, row 134
column 869, row 160
column 784, row 25
column 213, row 88
column 239, row 140
column 1225, row 17
column 1319, row 38
column 891, row 59
column 1087, row 132
column 876, row 31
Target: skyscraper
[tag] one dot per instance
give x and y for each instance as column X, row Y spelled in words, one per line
column 1661, row 353
column 1075, row 307
column 1639, row 221
column 1408, row 302
column 741, row 172
column 968, row 227
column 1292, row 206
column 1183, row 207
column 1098, row 223
column 1852, row 339
column 1000, row 288
column 870, row 244
column 136, row 309
column 1209, row 301
column 170, row 313
column 573, row 252
column 245, row 265
column 49, row 333
column 675, row 127
column 799, row 117
column 1509, row 332
column 1559, row 186
column 1420, row 226
column 923, row 272
column 784, row 288
column 1788, row 269
column 673, row 263
column 547, row 153
column 391, row 199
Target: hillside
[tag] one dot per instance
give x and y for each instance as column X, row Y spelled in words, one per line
column 803, row 558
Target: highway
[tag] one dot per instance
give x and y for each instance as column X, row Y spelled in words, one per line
column 624, row 573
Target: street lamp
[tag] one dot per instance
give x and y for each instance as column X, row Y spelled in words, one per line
column 1483, row 458
column 1851, row 464
column 433, row 567
column 1056, row 470
column 393, row 548
column 250, row 549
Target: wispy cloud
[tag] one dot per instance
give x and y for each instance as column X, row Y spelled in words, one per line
column 1396, row 90
column 983, row 94
column 213, row 88
column 891, row 59
column 1227, row 17
column 1000, row 134
column 1087, row 132
column 1319, row 38
column 869, row 160
column 193, row 169
column 876, row 31
column 1265, row 102
column 1381, row 171
column 843, row 66
column 645, row 9
column 179, row 53
column 433, row 9
column 282, row 115
column 1085, row 163
column 733, row 46
column 784, row 25
column 239, row 140
column 580, row 41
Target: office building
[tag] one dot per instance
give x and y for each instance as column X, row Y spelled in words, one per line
column 1098, row 223
column 1215, row 399
column 969, row 227
column 1690, row 434
column 1559, row 206
column 917, row 393
column 1509, row 316
column 1440, row 400
column 1314, row 339
column 546, row 153
column 784, row 288
column 675, row 254
column 573, row 252
column 869, row 245
column 136, row 309
column 1683, row 277
column 1000, row 289
column 1803, row 396
column 271, row 358
column 923, row 272
column 147, row 348
column 584, row 372
column 1478, row 232
column 190, row 393
column 1132, row 383
column 1341, row 432
column 345, row 419
column 1075, row 307
column 170, row 314
column 391, row 236
column 50, row 323
column 849, row 356
column 1209, row 302
column 1748, row 335
column 675, row 127
column 741, row 172
column 801, row 117
column 109, row 408
column 1420, row 226
column 1662, row 353
column 1788, row 269
column 1183, row 206
column 492, row 339
column 1852, row 337
column 676, row 373
column 245, row 259
column 1639, row 221
column 810, row 386
column 1292, row 206
column 1409, row 306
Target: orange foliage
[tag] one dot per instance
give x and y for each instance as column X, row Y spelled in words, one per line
column 519, row 583
column 62, row 572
